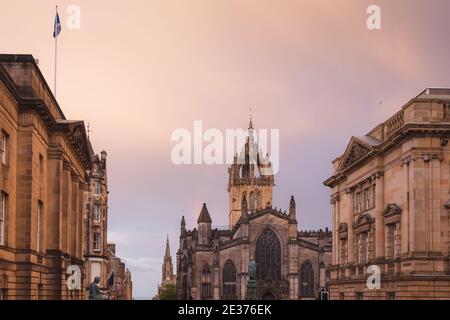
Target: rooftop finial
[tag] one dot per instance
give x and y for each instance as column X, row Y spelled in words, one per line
column 250, row 125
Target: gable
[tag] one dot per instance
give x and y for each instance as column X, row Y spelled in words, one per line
column 356, row 149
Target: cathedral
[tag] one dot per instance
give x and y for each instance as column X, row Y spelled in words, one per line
column 212, row 263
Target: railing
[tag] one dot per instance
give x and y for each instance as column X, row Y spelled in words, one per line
column 395, row 123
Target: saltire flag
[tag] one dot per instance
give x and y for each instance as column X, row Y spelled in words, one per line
column 57, row 26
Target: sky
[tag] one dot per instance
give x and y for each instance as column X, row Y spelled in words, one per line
column 138, row 70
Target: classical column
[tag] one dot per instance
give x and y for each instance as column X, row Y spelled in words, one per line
column 74, row 216
column 350, row 219
column 435, row 204
column 335, row 221
column 405, row 221
column 379, row 218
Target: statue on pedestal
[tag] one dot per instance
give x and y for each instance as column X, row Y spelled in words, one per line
column 94, row 291
column 251, row 269
column 251, row 282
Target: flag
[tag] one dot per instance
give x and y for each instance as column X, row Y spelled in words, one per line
column 57, row 26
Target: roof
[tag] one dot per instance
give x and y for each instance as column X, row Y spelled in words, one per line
column 204, row 215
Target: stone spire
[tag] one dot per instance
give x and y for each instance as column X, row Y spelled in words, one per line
column 167, row 267
column 167, row 254
column 204, row 215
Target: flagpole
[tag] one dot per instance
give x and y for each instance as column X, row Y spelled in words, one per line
column 56, row 51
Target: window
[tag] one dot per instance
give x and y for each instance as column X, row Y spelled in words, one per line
column 98, row 187
column 97, row 241
column 97, row 215
column 341, row 296
column 307, row 280
column 391, row 295
column 5, row 147
column 252, row 201
column 229, row 281
column 359, row 296
column 96, row 270
column 206, row 291
column 390, row 250
column 258, row 200
column 367, row 199
column 358, row 202
column 39, row 226
column 268, row 256
column 343, row 250
column 3, row 217
column 363, row 247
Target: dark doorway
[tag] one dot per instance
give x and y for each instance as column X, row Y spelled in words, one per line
column 268, row 296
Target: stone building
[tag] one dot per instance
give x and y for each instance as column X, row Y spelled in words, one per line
column 391, row 205
column 212, row 263
column 119, row 277
column 48, row 186
column 96, row 220
column 167, row 269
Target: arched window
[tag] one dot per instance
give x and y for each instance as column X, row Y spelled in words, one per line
column 229, row 281
column 258, row 200
column 252, row 201
column 307, row 279
column 206, row 292
column 268, row 256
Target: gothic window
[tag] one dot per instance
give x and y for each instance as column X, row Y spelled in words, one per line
column 307, row 279
column 268, row 256
column 206, row 291
column 258, row 200
column 229, row 281
column 252, row 201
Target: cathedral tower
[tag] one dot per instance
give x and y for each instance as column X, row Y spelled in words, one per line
column 250, row 177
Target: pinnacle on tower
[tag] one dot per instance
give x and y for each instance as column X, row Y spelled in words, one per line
column 292, row 202
column 204, row 215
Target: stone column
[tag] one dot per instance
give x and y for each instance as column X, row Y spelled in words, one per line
column 404, row 241
column 350, row 219
column 74, row 216
column 335, row 237
column 435, row 204
column 379, row 218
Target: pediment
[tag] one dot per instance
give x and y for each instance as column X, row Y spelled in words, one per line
column 356, row 149
column 392, row 213
column 363, row 223
column 343, row 231
column 392, row 209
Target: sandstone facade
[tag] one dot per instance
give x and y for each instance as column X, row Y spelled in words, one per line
column 390, row 199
